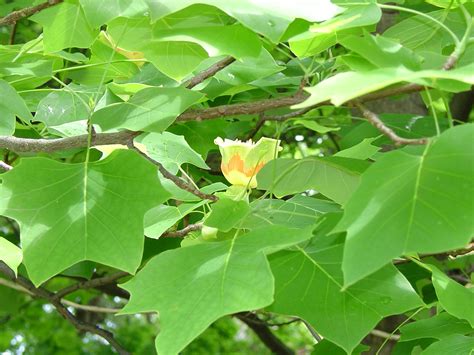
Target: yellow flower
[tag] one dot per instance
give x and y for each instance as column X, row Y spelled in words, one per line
column 241, row 161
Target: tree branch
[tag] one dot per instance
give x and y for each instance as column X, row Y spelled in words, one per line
column 375, row 121
column 177, row 180
column 97, row 282
column 207, row 73
column 21, row 145
column 264, row 333
column 5, row 166
column 182, row 232
column 15, row 16
column 63, row 311
column 242, row 109
column 458, row 252
column 84, row 307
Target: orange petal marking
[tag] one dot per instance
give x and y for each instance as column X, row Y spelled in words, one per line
column 235, row 163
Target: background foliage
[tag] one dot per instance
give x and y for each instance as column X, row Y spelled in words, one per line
column 116, row 217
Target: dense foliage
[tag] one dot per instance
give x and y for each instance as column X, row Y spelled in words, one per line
column 349, row 230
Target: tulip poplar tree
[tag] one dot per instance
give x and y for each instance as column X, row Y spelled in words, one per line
column 300, row 169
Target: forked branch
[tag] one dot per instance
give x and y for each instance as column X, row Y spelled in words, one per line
column 43, row 293
column 15, row 16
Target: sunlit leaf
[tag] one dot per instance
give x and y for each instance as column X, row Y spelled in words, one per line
column 410, row 203
column 73, row 212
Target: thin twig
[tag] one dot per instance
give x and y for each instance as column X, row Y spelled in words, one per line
column 207, row 73
column 260, row 122
column 182, row 232
column 97, row 282
column 11, row 40
column 176, row 179
column 375, row 121
column 15, row 16
column 385, row 335
column 68, row 303
column 451, row 254
column 5, row 166
column 62, row 310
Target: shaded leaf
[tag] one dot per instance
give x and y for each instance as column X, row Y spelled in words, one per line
column 226, row 214
column 298, row 212
column 11, row 105
column 160, row 218
column 309, row 284
column 455, row 344
column 363, row 150
column 334, row 177
column 454, row 297
column 439, row 327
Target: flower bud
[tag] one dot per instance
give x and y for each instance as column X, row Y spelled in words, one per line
column 241, row 161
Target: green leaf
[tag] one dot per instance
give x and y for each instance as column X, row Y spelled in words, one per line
column 455, row 344
column 10, row 301
column 308, row 284
column 105, row 64
column 192, row 287
column 175, row 59
column 73, row 212
column 363, row 150
column 381, row 51
column 411, row 203
column 11, row 105
column 152, row 109
column 298, row 212
column 345, row 86
column 182, row 195
column 39, row 68
column 225, row 40
column 10, row 254
column 325, row 347
column 334, row 177
column 440, row 326
column 424, row 35
column 354, row 16
column 315, row 126
column 249, row 69
column 226, row 214
column 65, row 26
column 171, row 150
column 446, row 3
column 160, row 218
column 101, row 12
column 270, row 18
column 453, row 297
column 407, row 126
column 62, row 106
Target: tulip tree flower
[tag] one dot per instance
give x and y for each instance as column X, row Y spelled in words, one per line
column 241, row 161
